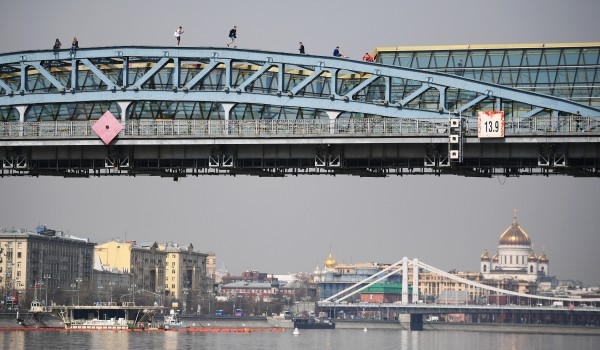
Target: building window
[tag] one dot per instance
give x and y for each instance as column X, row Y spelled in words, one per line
column 531, row 268
column 173, row 286
column 18, row 255
column 173, row 264
column 484, row 268
column 19, row 245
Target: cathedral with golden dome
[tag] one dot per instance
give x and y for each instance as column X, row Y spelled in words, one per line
column 515, row 258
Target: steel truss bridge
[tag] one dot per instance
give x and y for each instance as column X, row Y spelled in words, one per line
column 527, row 303
column 208, row 111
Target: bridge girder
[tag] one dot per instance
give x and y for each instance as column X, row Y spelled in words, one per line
column 345, row 79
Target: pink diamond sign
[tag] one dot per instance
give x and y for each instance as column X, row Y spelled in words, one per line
column 107, row 127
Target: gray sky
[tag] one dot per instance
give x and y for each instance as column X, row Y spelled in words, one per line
column 288, row 225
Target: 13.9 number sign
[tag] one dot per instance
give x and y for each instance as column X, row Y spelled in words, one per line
column 490, row 124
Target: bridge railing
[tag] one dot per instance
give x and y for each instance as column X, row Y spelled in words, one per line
column 293, row 128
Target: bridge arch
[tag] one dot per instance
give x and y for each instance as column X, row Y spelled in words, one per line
column 255, row 77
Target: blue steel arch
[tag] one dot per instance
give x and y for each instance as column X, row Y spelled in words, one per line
column 228, row 76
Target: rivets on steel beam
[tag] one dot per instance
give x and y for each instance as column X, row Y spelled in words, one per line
column 185, row 89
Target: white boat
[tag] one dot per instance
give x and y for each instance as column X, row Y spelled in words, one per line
column 172, row 321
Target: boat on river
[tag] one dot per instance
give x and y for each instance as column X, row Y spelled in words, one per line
column 313, row 323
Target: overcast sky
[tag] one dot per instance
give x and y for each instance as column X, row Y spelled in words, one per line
column 288, row 225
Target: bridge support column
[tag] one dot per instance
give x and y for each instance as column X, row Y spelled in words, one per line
column 415, row 284
column 413, row 322
column 123, row 105
column 227, row 108
column 332, row 117
column 405, row 280
column 21, row 110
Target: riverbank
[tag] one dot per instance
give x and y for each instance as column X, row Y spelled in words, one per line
column 512, row 328
column 8, row 322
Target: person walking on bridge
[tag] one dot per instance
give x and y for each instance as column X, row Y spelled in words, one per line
column 74, row 46
column 177, row 34
column 56, row 47
column 232, row 36
column 301, row 49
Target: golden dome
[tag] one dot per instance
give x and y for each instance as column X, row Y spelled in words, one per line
column 495, row 258
column 515, row 235
column 330, row 262
column 543, row 258
column 532, row 257
column 485, row 256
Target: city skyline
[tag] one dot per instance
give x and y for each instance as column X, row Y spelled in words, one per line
column 294, row 223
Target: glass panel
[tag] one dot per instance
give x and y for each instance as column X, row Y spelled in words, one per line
column 570, row 57
column 542, row 77
column 386, row 58
column 458, row 59
column 514, row 58
column 551, row 57
column 476, row 58
column 526, row 76
column 440, row 59
column 405, row 59
column 562, row 76
column 532, row 58
column 422, row 59
column 590, row 56
column 495, row 58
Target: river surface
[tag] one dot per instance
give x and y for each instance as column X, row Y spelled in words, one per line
column 340, row 339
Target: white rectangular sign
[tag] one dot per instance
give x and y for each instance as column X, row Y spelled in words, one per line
column 490, row 124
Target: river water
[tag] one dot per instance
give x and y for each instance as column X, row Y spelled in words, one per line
column 340, row 339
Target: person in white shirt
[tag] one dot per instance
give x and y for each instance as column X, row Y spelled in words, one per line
column 178, row 33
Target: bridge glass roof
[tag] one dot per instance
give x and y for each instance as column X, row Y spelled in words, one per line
column 570, row 71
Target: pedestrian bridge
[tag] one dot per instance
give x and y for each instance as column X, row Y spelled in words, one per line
column 176, row 112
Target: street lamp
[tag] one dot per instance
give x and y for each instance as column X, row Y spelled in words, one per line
column 132, row 290
column 99, row 290
column 78, row 280
column 46, row 277
column 185, row 294
column 110, row 287
column 160, row 291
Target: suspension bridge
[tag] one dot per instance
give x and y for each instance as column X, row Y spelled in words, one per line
column 482, row 302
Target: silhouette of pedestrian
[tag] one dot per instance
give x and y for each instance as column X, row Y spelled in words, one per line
column 232, row 36
column 578, row 121
column 56, row 46
column 177, row 34
column 74, row 46
column 301, row 48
